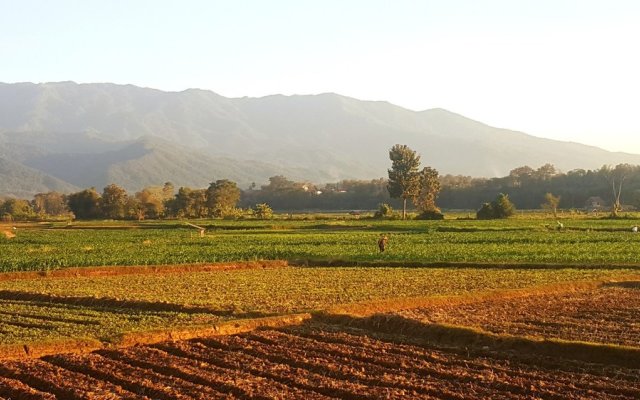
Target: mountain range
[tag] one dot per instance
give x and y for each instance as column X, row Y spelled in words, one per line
column 64, row 136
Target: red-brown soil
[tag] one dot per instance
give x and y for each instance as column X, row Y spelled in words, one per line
column 608, row 315
column 311, row 361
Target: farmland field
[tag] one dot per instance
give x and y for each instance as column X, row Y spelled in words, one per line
column 453, row 309
column 583, row 242
column 311, row 362
column 298, row 289
column 103, row 307
column 609, row 314
column 29, row 321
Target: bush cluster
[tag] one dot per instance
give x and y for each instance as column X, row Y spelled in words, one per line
column 501, row 207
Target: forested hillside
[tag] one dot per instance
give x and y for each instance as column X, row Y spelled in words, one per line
column 95, row 134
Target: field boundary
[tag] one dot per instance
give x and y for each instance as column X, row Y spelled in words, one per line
column 115, row 270
column 40, row 349
column 80, row 346
column 224, row 328
column 453, row 264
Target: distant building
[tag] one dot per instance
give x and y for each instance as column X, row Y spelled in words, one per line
column 595, row 203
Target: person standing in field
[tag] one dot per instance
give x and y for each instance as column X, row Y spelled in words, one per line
column 382, row 242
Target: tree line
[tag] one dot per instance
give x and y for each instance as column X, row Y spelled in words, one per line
column 218, row 200
column 610, row 188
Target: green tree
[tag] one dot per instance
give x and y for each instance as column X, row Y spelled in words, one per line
column 546, row 172
column 198, row 203
column 501, row 207
column 384, row 211
column 485, row 212
column 521, row 175
column 85, row 204
column 551, row 203
column 404, row 179
column 51, row 203
column 188, row 203
column 152, row 200
column 280, row 184
column 114, row 201
column 263, row 211
column 17, row 208
column 180, row 204
column 134, row 209
column 222, row 196
column 167, row 191
column 429, row 189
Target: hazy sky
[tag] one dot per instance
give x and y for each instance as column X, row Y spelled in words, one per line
column 564, row 69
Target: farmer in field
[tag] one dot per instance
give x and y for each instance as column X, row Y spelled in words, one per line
column 382, row 242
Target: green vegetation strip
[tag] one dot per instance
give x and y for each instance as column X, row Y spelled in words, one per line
column 140, row 270
column 28, row 322
column 518, row 241
column 295, row 289
column 105, row 308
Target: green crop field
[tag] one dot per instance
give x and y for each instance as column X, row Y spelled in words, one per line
column 327, row 273
column 103, row 307
column 29, row 321
column 583, row 241
column 296, row 289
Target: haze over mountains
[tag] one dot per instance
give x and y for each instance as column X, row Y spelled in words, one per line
column 64, row 136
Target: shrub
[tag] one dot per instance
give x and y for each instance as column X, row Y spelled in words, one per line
column 501, row 207
column 430, row 215
column 263, row 211
column 233, row 213
column 384, row 210
column 485, row 212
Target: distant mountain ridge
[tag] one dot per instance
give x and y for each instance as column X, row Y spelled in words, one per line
column 78, row 135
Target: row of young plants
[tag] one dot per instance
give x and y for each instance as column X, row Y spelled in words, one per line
column 580, row 242
column 296, row 289
column 32, row 321
column 41, row 310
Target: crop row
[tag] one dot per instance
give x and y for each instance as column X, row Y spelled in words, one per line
column 41, row 249
column 298, row 289
column 102, row 307
column 314, row 362
column 26, row 322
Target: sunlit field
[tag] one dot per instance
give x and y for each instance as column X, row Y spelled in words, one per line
column 518, row 308
column 535, row 240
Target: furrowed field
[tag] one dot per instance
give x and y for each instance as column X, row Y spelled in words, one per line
column 453, row 309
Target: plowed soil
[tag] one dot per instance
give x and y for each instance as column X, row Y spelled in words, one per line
column 607, row 315
column 312, row 361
